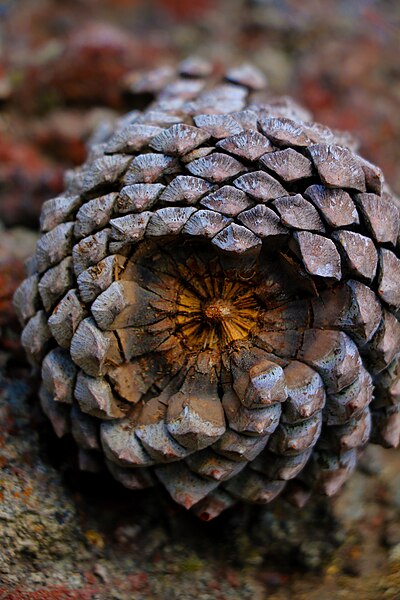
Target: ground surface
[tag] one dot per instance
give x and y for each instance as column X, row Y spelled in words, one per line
column 64, row 66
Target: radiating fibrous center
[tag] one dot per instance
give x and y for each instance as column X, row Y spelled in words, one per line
column 201, row 303
column 226, row 312
column 207, row 307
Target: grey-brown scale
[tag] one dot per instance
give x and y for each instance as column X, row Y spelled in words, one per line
column 214, row 300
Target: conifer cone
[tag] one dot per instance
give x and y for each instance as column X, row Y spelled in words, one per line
column 214, row 300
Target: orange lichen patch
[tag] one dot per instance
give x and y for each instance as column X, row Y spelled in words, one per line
column 28, row 491
column 355, row 552
column 94, row 538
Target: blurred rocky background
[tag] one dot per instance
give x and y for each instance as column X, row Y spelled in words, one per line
column 64, row 68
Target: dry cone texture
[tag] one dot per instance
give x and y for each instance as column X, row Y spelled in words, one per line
column 214, row 300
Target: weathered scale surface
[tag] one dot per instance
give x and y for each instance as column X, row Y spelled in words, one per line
column 214, row 302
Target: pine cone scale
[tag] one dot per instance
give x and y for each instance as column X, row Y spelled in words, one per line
column 214, row 300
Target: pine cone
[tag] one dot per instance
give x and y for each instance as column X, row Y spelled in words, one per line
column 214, row 300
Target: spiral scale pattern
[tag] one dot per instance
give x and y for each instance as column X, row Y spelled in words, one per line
column 214, row 300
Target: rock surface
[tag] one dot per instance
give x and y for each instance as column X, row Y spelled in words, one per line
column 70, row 535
